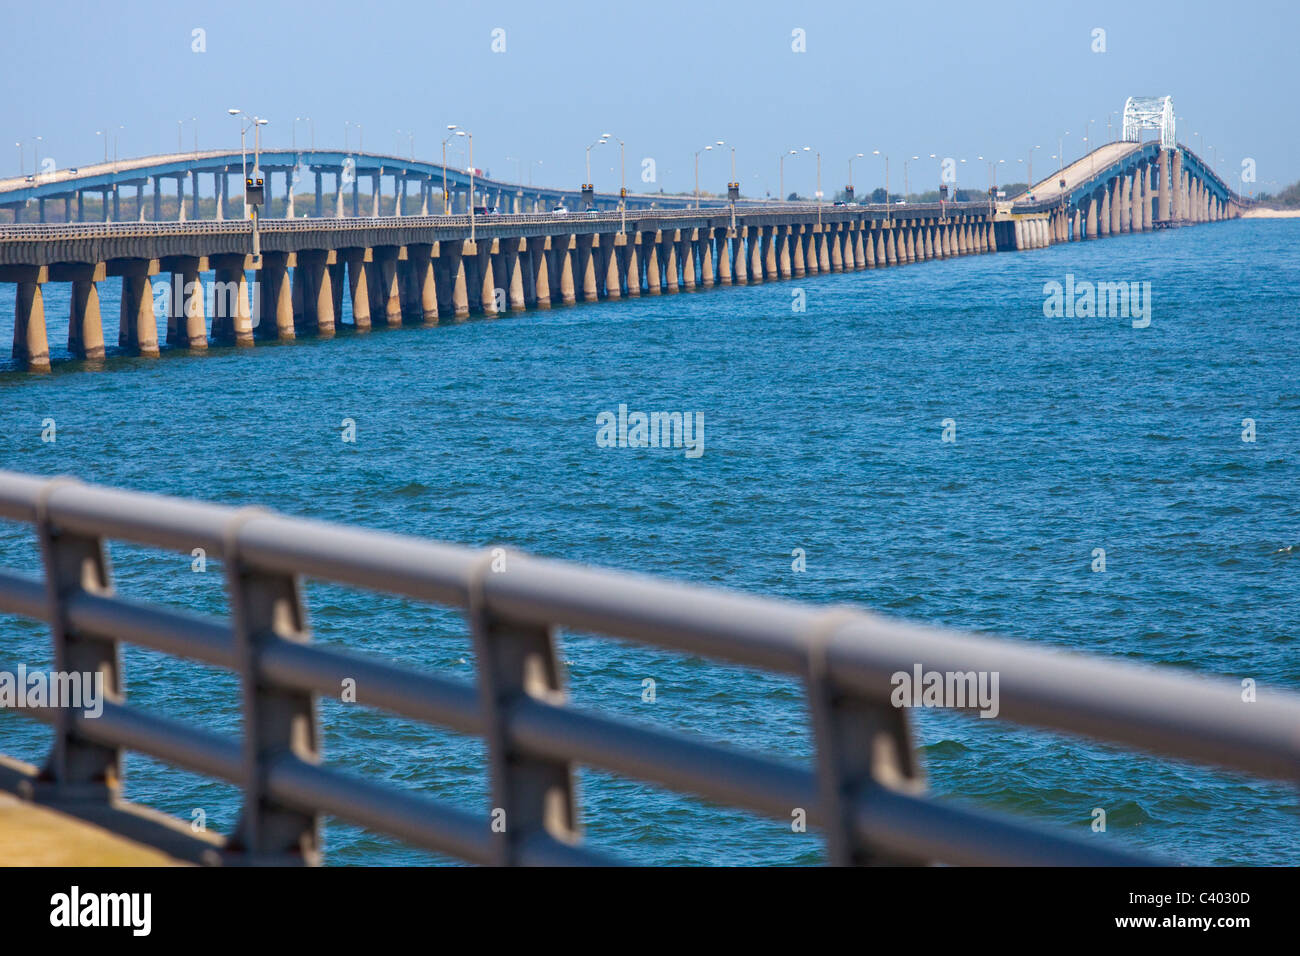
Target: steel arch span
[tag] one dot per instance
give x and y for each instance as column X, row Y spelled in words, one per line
column 1150, row 112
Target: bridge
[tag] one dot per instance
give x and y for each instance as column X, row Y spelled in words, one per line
column 424, row 268
column 865, row 787
column 343, row 171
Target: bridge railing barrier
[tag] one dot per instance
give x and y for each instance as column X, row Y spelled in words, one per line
column 640, row 218
column 865, row 788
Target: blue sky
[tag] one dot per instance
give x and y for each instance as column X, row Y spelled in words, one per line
column 909, row 78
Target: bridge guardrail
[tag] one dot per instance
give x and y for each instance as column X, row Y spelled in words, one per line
column 866, row 789
column 47, row 232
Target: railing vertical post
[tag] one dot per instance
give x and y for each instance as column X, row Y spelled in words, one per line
column 74, row 563
column 267, row 606
column 862, row 743
column 530, row 796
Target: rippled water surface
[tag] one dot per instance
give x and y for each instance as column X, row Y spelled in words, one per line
column 822, row 432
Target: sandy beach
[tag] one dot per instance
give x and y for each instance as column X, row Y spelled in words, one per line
column 1271, row 214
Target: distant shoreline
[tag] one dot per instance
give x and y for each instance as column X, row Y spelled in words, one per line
column 1262, row 213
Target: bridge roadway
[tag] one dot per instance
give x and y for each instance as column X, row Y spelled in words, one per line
column 423, row 269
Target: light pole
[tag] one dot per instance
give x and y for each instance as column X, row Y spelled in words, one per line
column 446, row 201
column 733, row 189
column 195, row 121
column 622, row 182
column 1030, row 187
column 704, row 149
column 22, row 159
column 104, row 133
column 850, row 189
column 876, row 152
column 782, row 180
column 180, row 128
column 588, row 188
column 1060, row 152
column 257, row 123
column 907, row 189
column 819, row 184
column 470, row 137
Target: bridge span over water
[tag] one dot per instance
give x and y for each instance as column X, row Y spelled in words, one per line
column 132, row 189
column 288, row 277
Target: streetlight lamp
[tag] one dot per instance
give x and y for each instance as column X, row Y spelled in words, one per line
column 588, row 189
column 312, row 123
column 446, row 201
column 704, row 149
column 907, row 189
column 782, row 179
column 849, row 190
column 876, row 152
column 257, row 123
column 622, row 182
column 470, row 138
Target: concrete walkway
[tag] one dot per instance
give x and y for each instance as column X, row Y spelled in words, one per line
column 32, row 835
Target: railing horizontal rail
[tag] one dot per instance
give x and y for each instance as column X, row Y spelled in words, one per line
column 170, row 741
column 315, row 669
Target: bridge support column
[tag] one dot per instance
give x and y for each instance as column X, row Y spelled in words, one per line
column 1135, row 208
column 1178, row 181
column 1148, row 198
column 668, row 249
column 724, row 255
column 514, row 266
column 1113, row 204
column 651, row 248
column 1103, row 215
column 138, row 329
column 359, row 263
column 1165, row 207
column 320, row 305
column 487, row 286
column 186, row 324
column 85, row 324
column 634, row 264
column 538, row 247
column 789, row 258
column 609, row 247
column 740, row 252
column 1091, row 224
column 755, row 253
column 31, row 346
column 564, row 251
column 232, row 322
column 425, row 282
column 705, row 245
column 688, row 259
column 275, row 300
column 740, row 256
column 454, row 252
column 388, row 290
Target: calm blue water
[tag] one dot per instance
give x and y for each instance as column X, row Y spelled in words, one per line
column 822, row 432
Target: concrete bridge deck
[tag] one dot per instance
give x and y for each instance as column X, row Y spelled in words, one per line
column 1080, row 171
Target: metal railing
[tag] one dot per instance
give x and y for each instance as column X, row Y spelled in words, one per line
column 866, row 789
column 49, row 232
